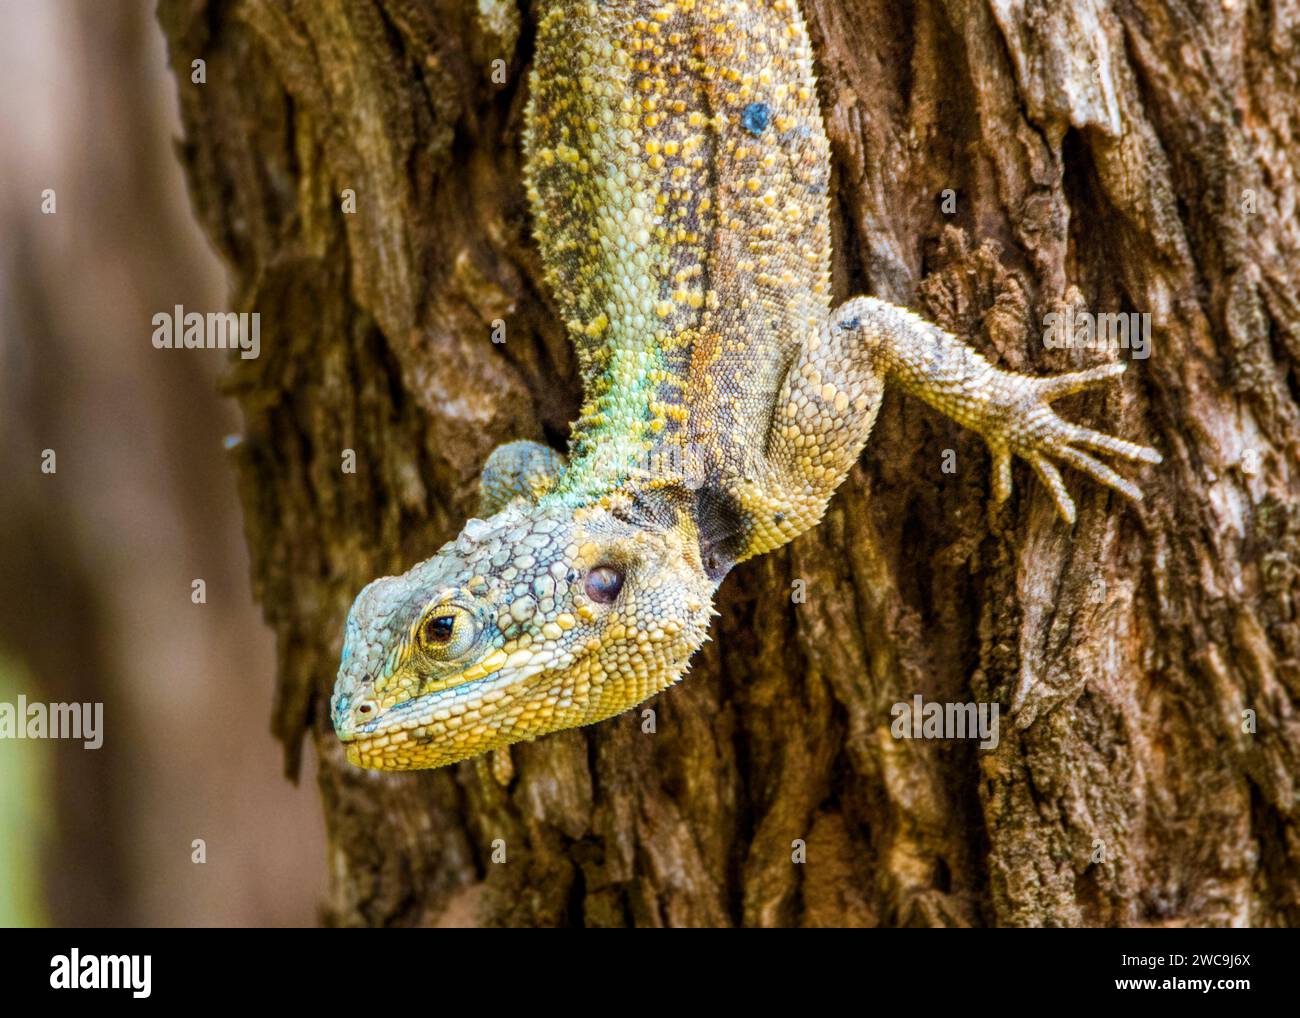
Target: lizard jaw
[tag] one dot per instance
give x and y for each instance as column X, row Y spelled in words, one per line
column 446, row 725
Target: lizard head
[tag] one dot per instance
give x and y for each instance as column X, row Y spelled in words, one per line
column 535, row 620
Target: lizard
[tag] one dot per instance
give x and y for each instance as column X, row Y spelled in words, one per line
column 678, row 171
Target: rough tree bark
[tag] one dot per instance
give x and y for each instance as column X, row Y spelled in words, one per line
column 1114, row 155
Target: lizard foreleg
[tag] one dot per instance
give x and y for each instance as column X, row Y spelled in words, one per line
column 831, row 394
column 517, row 470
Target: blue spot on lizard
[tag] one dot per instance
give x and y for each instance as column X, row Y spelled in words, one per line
column 755, row 117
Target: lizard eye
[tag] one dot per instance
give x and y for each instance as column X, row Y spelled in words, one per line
column 439, row 629
column 603, row 584
column 446, row 631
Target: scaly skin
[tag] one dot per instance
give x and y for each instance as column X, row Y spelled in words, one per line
column 678, row 173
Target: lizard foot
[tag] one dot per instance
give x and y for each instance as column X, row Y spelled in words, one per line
column 517, row 471
column 1034, row 432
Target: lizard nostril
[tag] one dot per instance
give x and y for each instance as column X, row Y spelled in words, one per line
column 365, row 708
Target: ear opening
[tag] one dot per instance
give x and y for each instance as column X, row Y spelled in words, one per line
column 720, row 522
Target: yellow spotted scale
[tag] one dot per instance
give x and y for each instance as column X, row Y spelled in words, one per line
column 678, row 174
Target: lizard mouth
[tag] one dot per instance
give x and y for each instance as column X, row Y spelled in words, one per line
column 415, row 726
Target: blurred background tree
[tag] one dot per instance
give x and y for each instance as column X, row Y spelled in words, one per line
column 97, row 559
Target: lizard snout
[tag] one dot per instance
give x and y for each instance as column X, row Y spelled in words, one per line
column 349, row 714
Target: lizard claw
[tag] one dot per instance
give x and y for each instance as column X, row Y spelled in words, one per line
column 1057, row 386
column 1051, row 477
column 1001, row 474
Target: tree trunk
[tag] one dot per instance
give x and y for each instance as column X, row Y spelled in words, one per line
column 994, row 162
